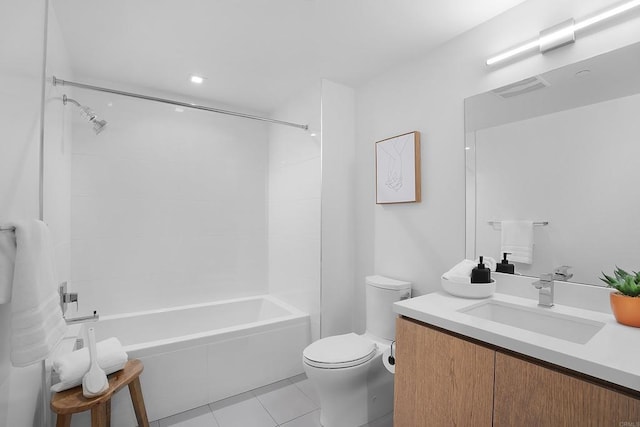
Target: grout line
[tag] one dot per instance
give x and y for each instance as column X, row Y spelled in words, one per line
column 214, row 414
column 306, row 395
column 300, row 416
column 182, row 412
column 265, row 409
column 254, row 396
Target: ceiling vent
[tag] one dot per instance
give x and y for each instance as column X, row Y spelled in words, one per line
column 523, row 86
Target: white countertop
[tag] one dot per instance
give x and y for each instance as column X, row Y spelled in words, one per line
column 612, row 354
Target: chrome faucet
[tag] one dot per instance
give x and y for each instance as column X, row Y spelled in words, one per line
column 562, row 273
column 545, row 285
column 67, row 298
column 92, row 318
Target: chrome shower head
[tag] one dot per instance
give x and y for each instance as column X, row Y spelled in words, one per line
column 98, row 125
column 88, row 114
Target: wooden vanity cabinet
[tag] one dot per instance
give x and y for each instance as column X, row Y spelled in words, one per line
column 527, row 394
column 443, row 380
column 440, row 380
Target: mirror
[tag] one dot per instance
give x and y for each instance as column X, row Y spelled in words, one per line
column 561, row 148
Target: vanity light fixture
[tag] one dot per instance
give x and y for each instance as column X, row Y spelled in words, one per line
column 197, row 79
column 561, row 34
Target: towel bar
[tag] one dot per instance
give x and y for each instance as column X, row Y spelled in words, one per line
column 7, row 228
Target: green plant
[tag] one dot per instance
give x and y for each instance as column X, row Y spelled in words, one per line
column 625, row 283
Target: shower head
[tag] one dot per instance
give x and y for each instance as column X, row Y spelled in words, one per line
column 88, row 114
column 98, row 126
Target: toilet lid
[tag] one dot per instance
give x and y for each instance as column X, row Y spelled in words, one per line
column 339, row 351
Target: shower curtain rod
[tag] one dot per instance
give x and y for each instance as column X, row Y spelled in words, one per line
column 61, row 82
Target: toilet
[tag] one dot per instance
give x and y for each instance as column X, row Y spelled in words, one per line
column 347, row 371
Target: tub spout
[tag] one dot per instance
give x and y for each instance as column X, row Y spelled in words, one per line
column 82, row 319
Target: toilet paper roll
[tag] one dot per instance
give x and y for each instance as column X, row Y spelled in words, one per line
column 385, row 360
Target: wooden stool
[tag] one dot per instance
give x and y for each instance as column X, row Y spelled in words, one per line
column 69, row 402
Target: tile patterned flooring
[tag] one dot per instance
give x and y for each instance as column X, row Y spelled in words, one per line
column 288, row 403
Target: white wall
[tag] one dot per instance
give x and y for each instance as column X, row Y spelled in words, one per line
column 339, row 283
column 21, row 50
column 311, row 237
column 294, row 205
column 418, row 242
column 57, row 157
column 168, row 208
column 57, row 149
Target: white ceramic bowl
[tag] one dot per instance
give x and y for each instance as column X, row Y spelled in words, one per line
column 469, row 290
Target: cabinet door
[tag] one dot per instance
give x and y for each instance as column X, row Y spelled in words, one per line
column 532, row 395
column 440, row 380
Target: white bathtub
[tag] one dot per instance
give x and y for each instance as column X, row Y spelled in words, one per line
column 202, row 353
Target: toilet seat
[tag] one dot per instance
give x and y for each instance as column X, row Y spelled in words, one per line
column 339, row 351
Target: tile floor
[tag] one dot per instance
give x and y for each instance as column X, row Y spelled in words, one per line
column 288, row 403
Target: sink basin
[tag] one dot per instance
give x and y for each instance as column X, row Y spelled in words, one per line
column 542, row 320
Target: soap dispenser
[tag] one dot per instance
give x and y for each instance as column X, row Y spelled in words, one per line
column 505, row 266
column 481, row 274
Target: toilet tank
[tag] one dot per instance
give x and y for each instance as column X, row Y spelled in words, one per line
column 381, row 293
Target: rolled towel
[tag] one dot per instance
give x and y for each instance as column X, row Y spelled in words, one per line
column 461, row 272
column 71, row 367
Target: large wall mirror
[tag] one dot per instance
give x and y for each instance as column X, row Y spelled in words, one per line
column 561, row 149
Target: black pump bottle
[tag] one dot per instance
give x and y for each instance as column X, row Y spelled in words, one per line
column 505, row 266
column 481, row 274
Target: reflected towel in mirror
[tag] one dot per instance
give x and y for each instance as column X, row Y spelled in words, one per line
column 517, row 239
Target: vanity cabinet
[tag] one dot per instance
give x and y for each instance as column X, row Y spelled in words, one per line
column 527, row 394
column 442, row 380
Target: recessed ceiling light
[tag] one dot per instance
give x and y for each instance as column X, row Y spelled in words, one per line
column 197, row 79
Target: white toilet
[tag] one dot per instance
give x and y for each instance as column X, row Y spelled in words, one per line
column 347, row 371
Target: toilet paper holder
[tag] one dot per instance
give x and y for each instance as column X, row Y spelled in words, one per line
column 392, row 359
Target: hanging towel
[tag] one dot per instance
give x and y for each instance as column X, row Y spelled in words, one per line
column 517, row 239
column 7, row 261
column 71, row 367
column 37, row 325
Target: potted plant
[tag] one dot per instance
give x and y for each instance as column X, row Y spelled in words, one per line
column 625, row 303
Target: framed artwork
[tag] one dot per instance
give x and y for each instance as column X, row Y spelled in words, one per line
column 398, row 169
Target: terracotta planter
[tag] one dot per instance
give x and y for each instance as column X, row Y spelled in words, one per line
column 625, row 309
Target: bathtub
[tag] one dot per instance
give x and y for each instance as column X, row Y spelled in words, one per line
column 201, row 353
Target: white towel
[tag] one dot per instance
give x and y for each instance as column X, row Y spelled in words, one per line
column 37, row 325
column 517, row 239
column 461, row 272
column 71, row 367
column 7, row 261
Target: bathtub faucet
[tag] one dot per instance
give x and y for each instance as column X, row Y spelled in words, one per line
column 66, row 298
column 93, row 318
column 71, row 297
